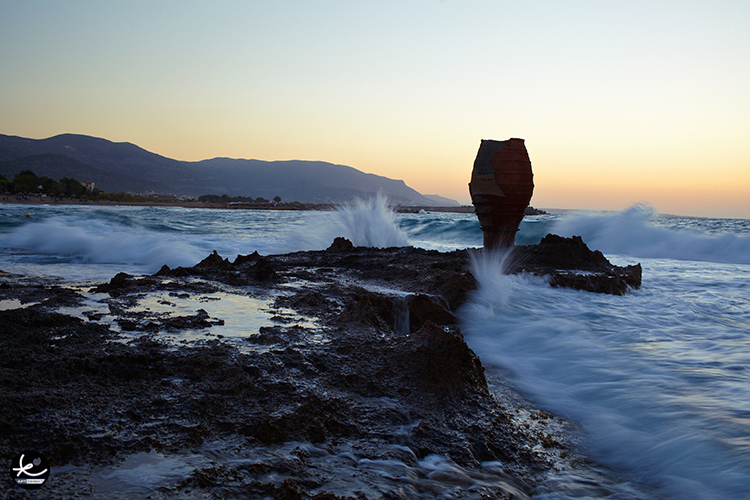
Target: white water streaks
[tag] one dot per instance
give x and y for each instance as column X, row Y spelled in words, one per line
column 341, row 472
column 658, row 378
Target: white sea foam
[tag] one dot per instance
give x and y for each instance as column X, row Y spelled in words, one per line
column 142, row 239
column 366, row 223
column 658, row 378
column 88, row 240
column 636, row 232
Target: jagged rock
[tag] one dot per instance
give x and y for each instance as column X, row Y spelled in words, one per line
column 116, row 285
column 245, row 270
column 396, row 314
column 455, row 287
column 263, row 271
column 569, row 263
column 163, row 271
column 533, row 211
column 424, row 308
column 557, row 252
column 438, row 360
column 351, row 385
column 196, row 321
column 212, row 261
column 361, row 312
column 179, row 272
column 243, row 259
column 340, row 245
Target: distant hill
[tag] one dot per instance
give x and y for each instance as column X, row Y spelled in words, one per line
column 306, row 181
column 126, row 167
column 57, row 166
column 121, row 158
column 440, row 201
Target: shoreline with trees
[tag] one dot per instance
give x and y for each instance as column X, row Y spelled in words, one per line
column 29, row 189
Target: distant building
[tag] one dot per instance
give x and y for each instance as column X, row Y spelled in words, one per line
column 88, row 185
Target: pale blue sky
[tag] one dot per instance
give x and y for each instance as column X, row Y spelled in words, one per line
column 619, row 102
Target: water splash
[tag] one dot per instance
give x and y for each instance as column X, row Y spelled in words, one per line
column 637, row 231
column 489, row 269
column 401, row 314
column 366, row 223
column 371, row 223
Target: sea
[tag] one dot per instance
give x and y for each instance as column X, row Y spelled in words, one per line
column 657, row 381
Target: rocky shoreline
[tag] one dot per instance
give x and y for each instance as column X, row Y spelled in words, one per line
column 360, row 387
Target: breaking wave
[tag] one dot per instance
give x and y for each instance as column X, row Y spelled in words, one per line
column 639, row 232
column 147, row 237
column 87, row 240
column 366, row 223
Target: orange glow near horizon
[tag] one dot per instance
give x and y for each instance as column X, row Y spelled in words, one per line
column 616, row 108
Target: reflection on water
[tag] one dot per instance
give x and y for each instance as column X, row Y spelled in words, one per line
column 243, row 314
column 8, row 304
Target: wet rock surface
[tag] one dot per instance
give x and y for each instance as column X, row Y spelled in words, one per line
column 384, row 389
column 569, row 263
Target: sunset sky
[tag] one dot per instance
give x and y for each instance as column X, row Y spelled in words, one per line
column 619, row 102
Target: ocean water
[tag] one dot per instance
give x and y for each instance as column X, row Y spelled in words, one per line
column 658, row 380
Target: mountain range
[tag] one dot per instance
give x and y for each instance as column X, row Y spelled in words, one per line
column 125, row 167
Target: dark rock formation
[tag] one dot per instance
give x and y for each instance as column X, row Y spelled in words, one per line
column 245, row 270
column 384, row 377
column 569, row 263
column 501, row 187
column 340, row 245
column 432, row 279
column 533, row 211
column 84, row 398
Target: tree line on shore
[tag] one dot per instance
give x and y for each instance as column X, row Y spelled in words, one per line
column 215, row 198
column 27, row 181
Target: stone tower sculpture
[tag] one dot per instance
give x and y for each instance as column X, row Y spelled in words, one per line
column 501, row 187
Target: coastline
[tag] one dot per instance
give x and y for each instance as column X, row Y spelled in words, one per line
column 336, row 388
column 46, row 200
